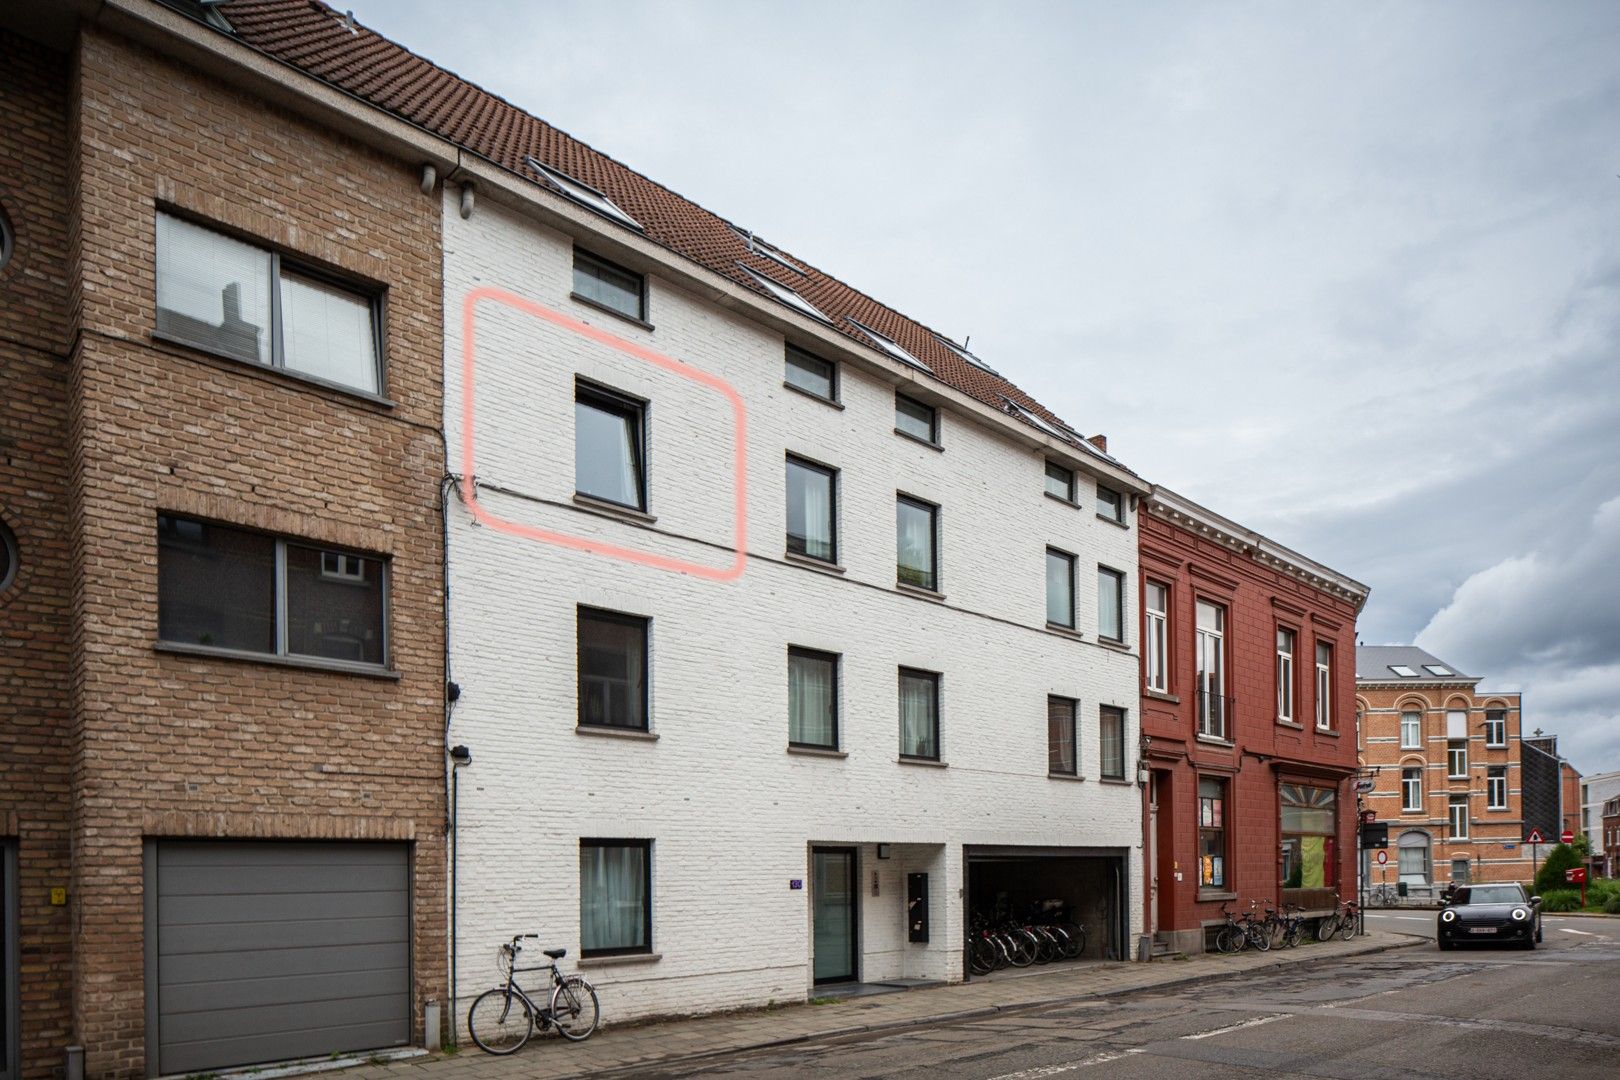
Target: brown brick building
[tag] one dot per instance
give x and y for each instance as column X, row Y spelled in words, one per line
column 1248, row 723
column 221, row 601
column 1446, row 763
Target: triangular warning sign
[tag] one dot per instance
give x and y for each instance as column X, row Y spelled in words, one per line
column 1535, row 837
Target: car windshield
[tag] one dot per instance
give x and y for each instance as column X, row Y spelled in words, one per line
column 1490, row 894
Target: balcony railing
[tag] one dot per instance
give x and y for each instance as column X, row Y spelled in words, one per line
column 1214, row 715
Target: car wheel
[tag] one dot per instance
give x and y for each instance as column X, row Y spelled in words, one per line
column 1529, row 942
column 1444, row 944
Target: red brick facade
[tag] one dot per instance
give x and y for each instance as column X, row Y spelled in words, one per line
column 1262, row 760
column 114, row 743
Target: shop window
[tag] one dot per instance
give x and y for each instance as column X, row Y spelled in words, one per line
column 1309, row 838
column 1212, row 833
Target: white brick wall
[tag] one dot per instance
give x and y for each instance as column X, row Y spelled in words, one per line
column 731, row 812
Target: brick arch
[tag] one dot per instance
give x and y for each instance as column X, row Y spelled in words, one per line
column 1421, row 703
column 1497, row 703
column 1452, row 701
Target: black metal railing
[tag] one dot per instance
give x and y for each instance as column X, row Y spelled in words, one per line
column 1215, row 715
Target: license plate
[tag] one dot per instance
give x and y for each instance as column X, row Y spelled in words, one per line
column 1482, row 929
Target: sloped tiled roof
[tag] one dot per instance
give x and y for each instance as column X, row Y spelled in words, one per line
column 320, row 41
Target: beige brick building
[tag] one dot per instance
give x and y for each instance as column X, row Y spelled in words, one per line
column 221, row 605
column 1445, row 762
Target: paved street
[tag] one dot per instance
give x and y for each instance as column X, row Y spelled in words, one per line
column 1411, row 1012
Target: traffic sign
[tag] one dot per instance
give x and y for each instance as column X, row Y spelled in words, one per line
column 1577, row 876
column 1383, row 857
column 1369, row 816
column 1535, row 837
column 1566, row 837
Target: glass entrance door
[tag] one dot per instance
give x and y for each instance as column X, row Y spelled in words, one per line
column 833, row 898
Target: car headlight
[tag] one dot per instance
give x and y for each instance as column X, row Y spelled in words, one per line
column 1448, row 916
column 1519, row 914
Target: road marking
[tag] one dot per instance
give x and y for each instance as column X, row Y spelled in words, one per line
column 1256, row 1022
column 1583, row 933
column 1069, row 1066
column 1408, row 918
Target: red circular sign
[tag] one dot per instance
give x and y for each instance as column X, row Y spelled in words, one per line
column 1566, row 837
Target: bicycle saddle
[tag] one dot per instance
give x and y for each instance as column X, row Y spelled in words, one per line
column 556, row 954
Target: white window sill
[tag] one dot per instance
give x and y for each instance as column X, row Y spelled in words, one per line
column 1214, row 740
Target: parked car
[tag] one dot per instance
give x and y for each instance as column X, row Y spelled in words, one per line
column 1478, row 913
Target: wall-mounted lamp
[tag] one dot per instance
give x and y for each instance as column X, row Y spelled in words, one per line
column 460, row 755
column 883, row 851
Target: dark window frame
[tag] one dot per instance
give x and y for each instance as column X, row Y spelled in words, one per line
column 622, row 618
column 933, row 542
column 1220, row 826
column 933, row 678
column 1118, row 578
column 832, row 509
column 800, row 652
column 1074, row 613
column 646, row 891
column 932, row 438
column 1071, row 484
column 1118, row 517
column 640, row 317
column 1104, row 712
column 626, row 406
column 285, row 262
column 791, row 353
column 1073, row 740
column 280, row 614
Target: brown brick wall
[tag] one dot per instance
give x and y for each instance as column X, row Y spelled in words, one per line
column 34, row 610
column 168, row 745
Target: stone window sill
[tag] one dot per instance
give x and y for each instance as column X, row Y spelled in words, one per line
column 1211, row 740
column 817, row 751
column 1290, row 724
column 1160, row 695
column 604, row 309
column 1118, row 781
column 1126, row 525
column 831, row 403
column 815, row 564
column 306, row 663
column 924, row 442
column 1070, row 503
column 616, row 733
column 929, row 762
column 1213, row 894
column 918, row 590
column 619, row 961
column 592, row 505
column 1065, row 776
column 197, row 352
column 1064, row 631
column 1117, row 646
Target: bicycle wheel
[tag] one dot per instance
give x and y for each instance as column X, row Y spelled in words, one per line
column 574, row 1008
column 1326, row 927
column 1047, row 948
column 981, row 956
column 1347, row 927
column 1020, row 947
column 1077, row 940
column 1231, row 939
column 1294, row 933
column 499, row 1021
column 1259, row 936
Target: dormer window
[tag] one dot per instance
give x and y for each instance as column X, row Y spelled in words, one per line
column 583, row 194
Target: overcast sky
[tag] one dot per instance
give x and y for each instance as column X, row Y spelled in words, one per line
column 1349, row 274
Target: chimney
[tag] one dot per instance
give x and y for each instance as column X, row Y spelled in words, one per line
column 1100, row 442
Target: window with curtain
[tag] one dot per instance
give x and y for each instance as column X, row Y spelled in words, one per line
column 1062, row 750
column 1211, row 669
column 1111, row 730
column 1285, row 674
column 610, row 285
column 1110, row 604
column 1412, row 858
column 919, row 714
column 812, row 374
column 608, row 448
column 1411, row 730
column 1059, row 482
column 1211, row 833
column 916, row 554
column 235, row 299
column 812, row 698
column 1059, row 588
column 1309, row 836
column 1156, row 636
column 612, row 669
column 811, row 510
column 615, row 897
column 1412, row 788
column 1324, row 686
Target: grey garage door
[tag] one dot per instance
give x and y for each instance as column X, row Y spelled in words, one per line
column 264, row 951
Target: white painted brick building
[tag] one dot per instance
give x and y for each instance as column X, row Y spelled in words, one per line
column 731, row 811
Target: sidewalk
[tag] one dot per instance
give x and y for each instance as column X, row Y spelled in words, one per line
column 637, row 1047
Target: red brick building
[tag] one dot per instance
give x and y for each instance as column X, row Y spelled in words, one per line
column 1248, row 722
column 221, row 604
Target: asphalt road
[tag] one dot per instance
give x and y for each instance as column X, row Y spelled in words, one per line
column 1408, row 1013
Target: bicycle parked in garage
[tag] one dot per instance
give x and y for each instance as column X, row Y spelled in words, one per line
column 501, row 1020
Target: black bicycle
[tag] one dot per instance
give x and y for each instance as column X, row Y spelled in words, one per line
column 501, row 1020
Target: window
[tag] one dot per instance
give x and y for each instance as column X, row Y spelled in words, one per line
column 1060, row 482
column 1211, row 833
column 1437, row 669
column 582, row 193
column 1211, row 670
column 1495, row 727
column 913, row 418
column 1059, row 588
column 916, row 543
column 1412, row 788
column 1496, row 790
column 1110, row 604
column 1062, row 749
column 609, row 446
column 1285, row 675
column 1309, row 838
column 1156, row 636
column 612, row 670
column 1403, row 671
column 225, row 588
column 8, row 557
column 5, row 238
column 1110, row 504
column 785, row 294
column 1411, row 730
column 812, row 494
column 812, row 374
column 1412, row 858
column 1457, row 759
column 1111, row 726
column 892, row 347
column 919, row 714
column 609, row 285
column 1324, row 686
column 1458, row 813
column 615, row 897
column 237, row 300
column 812, row 698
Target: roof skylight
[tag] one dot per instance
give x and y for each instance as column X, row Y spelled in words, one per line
column 764, row 250
column 1403, row 671
column 961, row 351
column 1437, row 669
column 784, row 294
column 1057, row 432
column 889, row 346
column 583, row 194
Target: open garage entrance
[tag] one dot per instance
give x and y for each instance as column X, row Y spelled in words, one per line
column 1031, row 884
